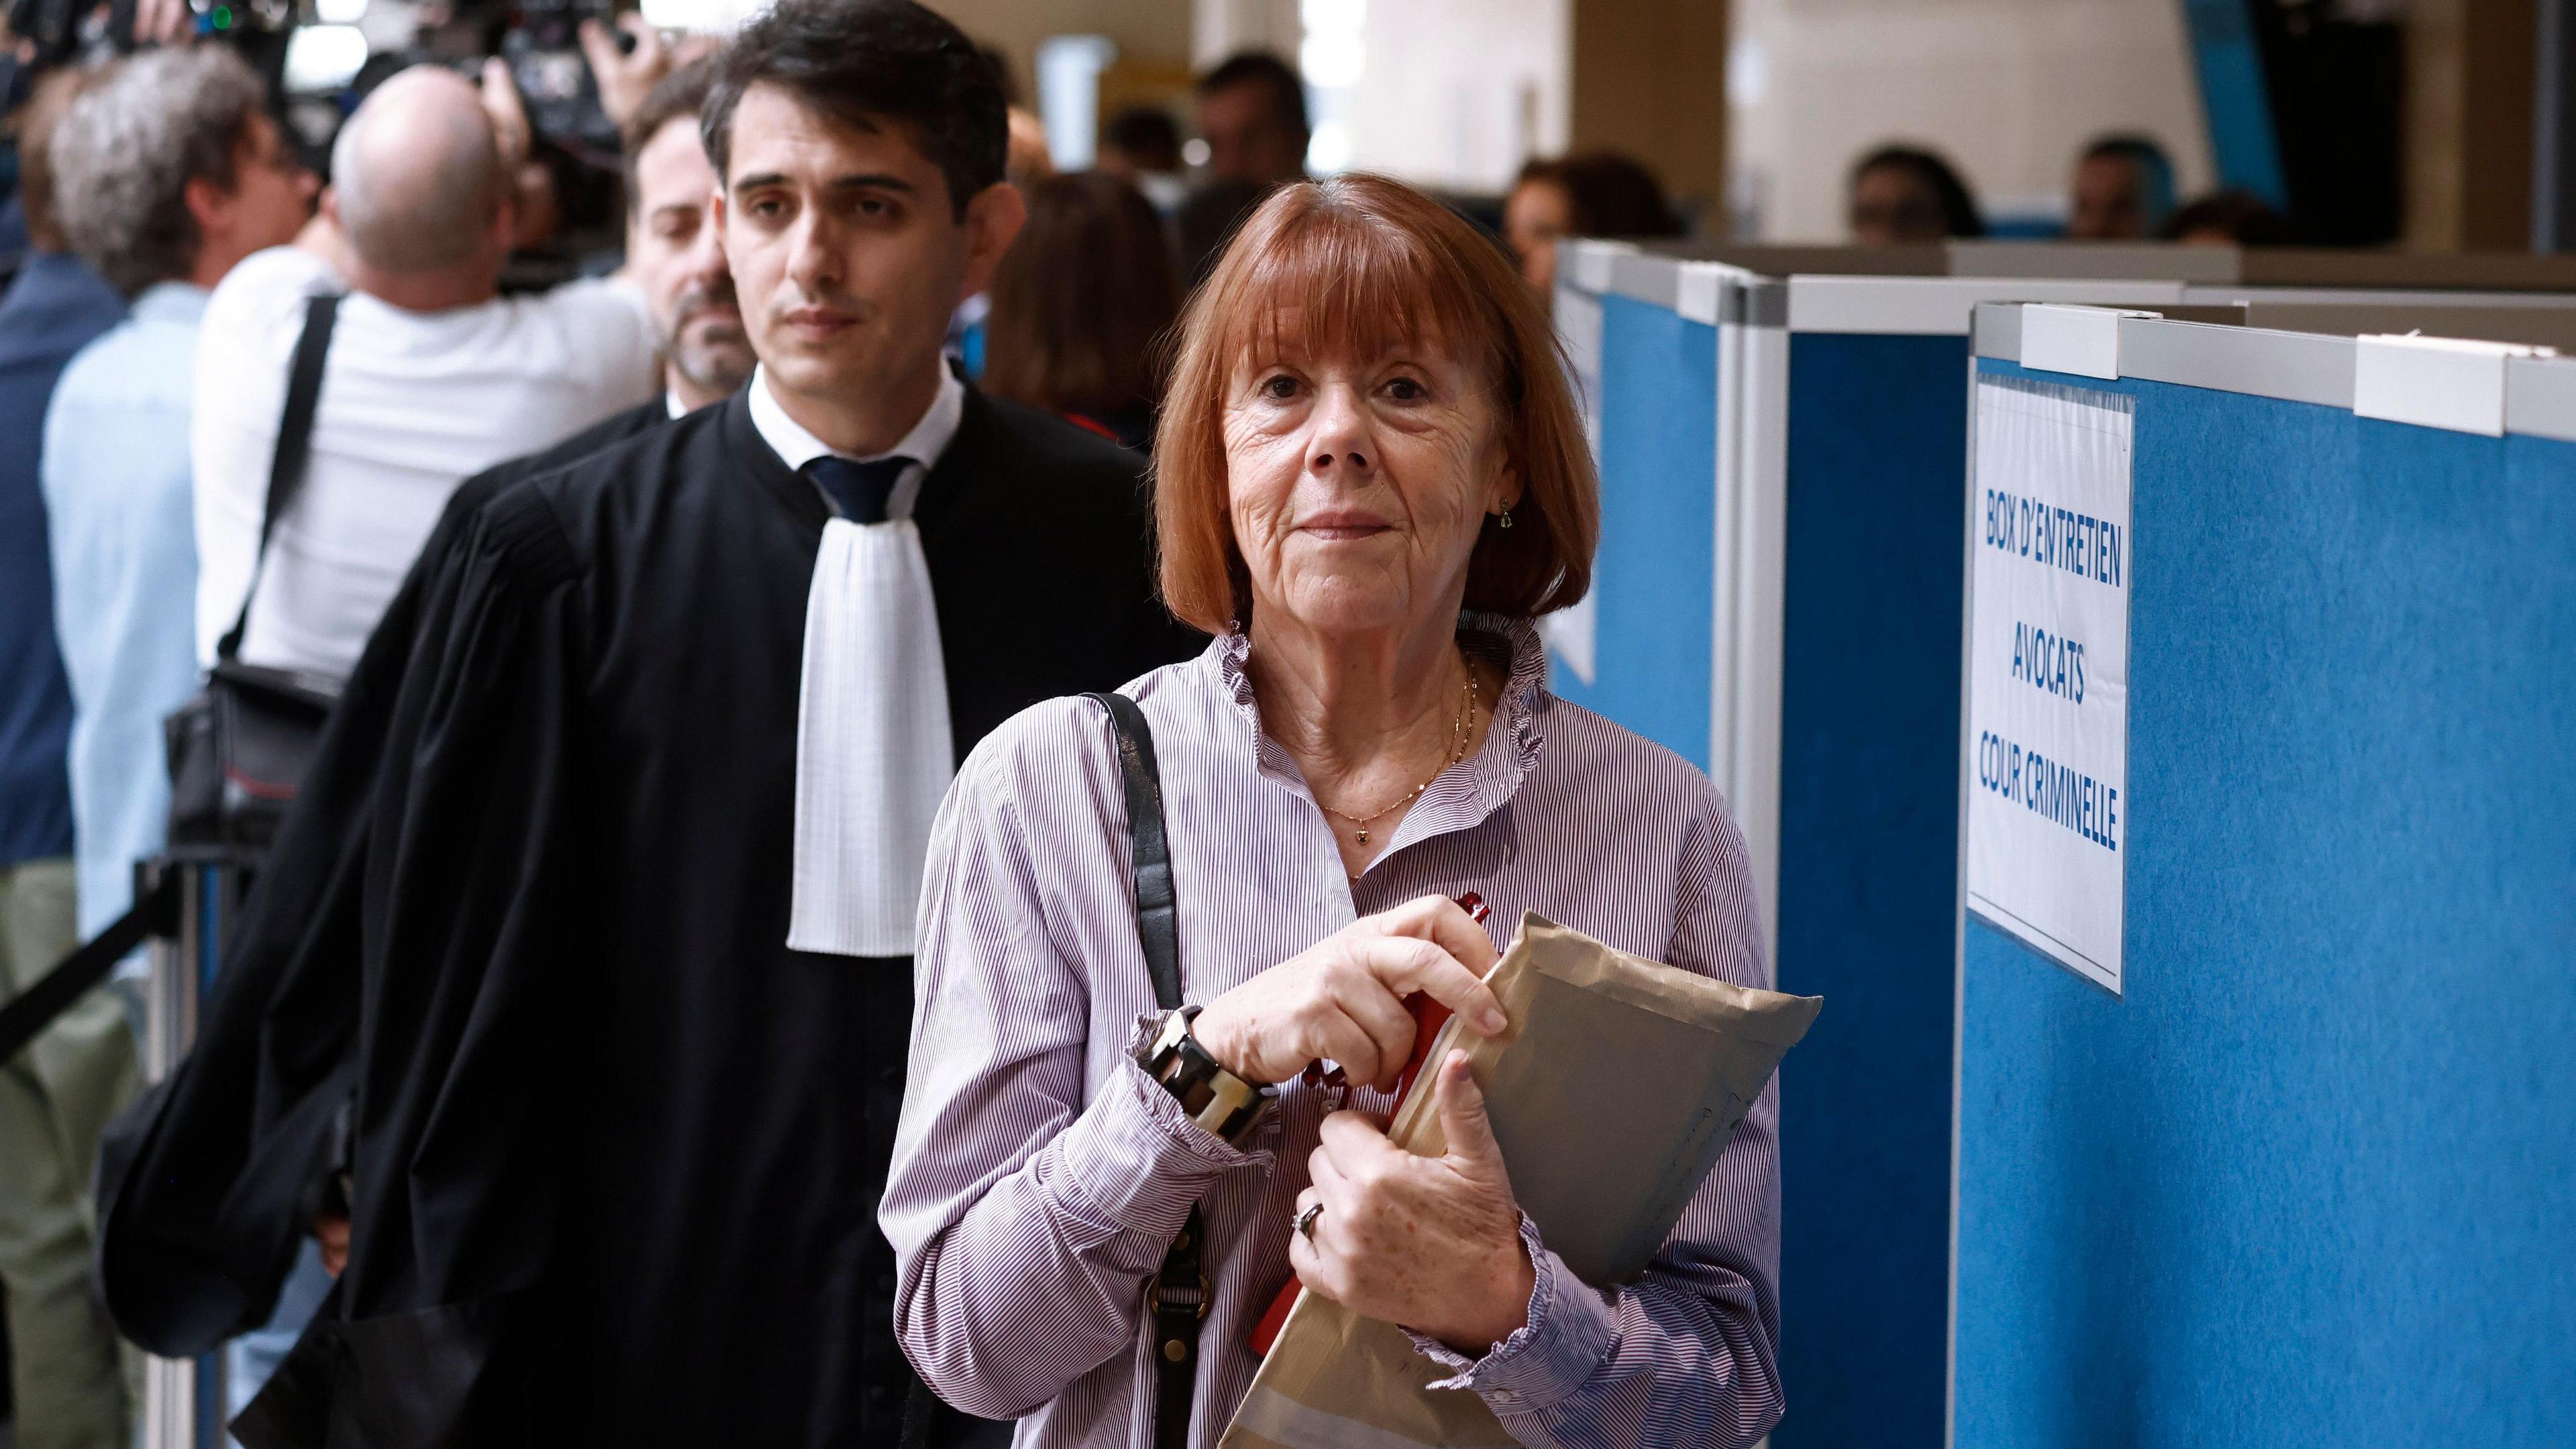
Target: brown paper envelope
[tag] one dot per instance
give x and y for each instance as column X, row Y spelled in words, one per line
column 1612, row 1092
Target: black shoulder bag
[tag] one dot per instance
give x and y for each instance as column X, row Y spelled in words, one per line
column 1178, row 1297
column 239, row 748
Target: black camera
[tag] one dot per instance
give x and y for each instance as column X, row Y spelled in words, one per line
column 63, row 32
column 544, row 54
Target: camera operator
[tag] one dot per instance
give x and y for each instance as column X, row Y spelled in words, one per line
column 430, row 376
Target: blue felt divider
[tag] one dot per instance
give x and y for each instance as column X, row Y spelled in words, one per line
column 2312, row 1180
column 1877, row 439
column 1651, row 587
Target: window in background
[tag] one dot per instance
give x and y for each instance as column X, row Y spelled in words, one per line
column 1333, row 57
column 1452, row 94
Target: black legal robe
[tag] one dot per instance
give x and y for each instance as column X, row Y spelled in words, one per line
column 208, row 1184
column 619, row 1150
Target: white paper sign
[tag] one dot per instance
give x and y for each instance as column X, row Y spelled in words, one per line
column 2048, row 669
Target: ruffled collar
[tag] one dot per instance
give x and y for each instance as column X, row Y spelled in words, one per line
column 1467, row 792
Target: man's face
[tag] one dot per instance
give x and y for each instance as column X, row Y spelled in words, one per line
column 2110, row 200
column 675, row 250
column 846, row 253
column 1247, row 138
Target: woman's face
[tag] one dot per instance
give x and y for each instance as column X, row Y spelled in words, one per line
column 1535, row 216
column 1358, row 486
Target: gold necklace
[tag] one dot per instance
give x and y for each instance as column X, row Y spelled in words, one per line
column 1458, row 728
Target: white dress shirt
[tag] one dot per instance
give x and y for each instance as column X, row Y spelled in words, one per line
column 928, row 439
column 412, row 404
column 874, row 751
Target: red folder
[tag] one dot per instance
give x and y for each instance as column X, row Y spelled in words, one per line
column 1428, row 1017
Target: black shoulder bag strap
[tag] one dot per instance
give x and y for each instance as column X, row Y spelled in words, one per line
column 1178, row 1297
column 294, row 446
column 31, row 1011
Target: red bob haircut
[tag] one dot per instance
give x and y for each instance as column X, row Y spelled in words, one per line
column 1358, row 266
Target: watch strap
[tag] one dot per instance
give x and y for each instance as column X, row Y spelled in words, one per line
column 1216, row 1099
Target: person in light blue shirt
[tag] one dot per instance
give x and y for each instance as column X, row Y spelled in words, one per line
column 167, row 172
column 125, row 575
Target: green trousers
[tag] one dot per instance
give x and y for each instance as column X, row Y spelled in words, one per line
column 55, row 1098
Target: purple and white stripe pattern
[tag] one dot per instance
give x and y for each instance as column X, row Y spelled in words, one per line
column 1039, row 1176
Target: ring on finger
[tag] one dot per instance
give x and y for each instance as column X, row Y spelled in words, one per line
column 1306, row 1221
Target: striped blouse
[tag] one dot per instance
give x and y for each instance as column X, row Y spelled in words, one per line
column 1039, row 1175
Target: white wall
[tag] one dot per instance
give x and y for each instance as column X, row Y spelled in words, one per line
column 1458, row 93
column 1145, row 31
column 2010, row 90
column 1453, row 93
column 1219, row 28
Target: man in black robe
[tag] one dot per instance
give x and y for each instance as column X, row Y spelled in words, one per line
column 618, row 1146
column 210, row 1185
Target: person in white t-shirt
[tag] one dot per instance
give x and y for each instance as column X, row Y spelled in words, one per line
column 431, row 374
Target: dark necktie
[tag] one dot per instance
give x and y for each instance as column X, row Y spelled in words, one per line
column 858, row 490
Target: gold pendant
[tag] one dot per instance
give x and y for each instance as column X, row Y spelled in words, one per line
column 1363, row 835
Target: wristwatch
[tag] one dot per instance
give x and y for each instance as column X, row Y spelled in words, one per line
column 1215, row 1098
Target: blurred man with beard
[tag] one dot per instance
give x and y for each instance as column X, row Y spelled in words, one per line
column 674, row 254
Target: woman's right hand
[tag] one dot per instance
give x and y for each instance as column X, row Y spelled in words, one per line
column 1343, row 997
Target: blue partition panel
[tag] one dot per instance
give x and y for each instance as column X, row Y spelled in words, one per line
column 1653, row 577
column 2312, row 1180
column 1869, row 756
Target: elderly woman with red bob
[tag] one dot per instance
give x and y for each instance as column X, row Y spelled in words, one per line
column 1371, row 480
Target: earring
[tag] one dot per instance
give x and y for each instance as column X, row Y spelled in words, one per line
column 1504, row 519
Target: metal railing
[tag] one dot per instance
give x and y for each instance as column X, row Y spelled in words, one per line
column 186, row 1400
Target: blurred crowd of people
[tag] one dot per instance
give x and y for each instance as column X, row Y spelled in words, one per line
column 178, row 254
column 2121, row 189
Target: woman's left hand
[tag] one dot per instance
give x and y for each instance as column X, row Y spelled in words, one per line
column 1431, row 1243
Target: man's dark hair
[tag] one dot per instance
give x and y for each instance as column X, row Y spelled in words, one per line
column 1612, row 195
column 679, row 96
column 2238, row 214
column 864, row 63
column 2142, row 150
column 1959, row 216
column 1260, row 67
column 2154, row 171
column 1002, row 75
column 1146, row 135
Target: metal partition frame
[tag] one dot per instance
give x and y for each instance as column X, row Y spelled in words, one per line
column 186, row 1402
column 2323, row 267
column 2539, row 392
column 1744, row 595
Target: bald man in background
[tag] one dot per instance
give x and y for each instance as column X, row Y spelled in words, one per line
column 431, row 375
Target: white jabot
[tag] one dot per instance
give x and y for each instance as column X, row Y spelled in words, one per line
column 874, row 753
